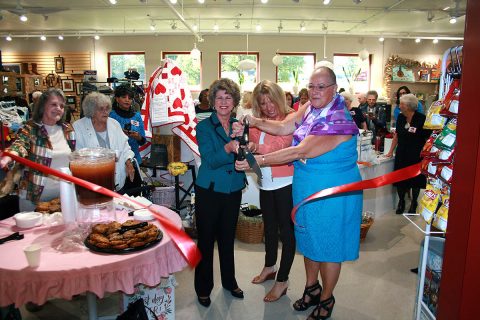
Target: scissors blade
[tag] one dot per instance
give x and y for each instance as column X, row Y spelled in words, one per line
column 254, row 164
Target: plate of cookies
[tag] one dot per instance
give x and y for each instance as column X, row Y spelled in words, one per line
column 117, row 238
column 49, row 206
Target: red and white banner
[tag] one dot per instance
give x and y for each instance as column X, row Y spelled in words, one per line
column 168, row 101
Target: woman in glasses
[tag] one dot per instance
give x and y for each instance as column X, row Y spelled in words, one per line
column 324, row 155
column 218, row 191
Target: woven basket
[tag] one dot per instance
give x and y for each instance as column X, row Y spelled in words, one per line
column 164, row 196
column 364, row 229
column 249, row 229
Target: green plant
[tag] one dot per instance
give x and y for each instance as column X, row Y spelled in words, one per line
column 241, row 77
column 296, row 74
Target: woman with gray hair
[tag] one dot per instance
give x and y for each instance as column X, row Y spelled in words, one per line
column 409, row 138
column 44, row 139
column 356, row 113
column 97, row 129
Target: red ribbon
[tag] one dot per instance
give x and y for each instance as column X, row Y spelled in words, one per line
column 183, row 242
column 389, row 178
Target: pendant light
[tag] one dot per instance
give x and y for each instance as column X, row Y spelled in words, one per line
column 247, row 64
column 195, row 53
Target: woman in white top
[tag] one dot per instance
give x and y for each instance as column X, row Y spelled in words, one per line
column 97, row 129
column 268, row 102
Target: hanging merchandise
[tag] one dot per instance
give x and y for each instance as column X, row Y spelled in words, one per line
column 168, row 101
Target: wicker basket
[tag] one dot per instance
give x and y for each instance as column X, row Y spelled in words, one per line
column 249, row 229
column 164, row 196
column 364, row 229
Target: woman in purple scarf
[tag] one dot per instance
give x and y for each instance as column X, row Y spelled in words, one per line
column 324, row 154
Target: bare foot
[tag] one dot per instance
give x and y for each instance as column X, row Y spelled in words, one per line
column 279, row 289
column 268, row 273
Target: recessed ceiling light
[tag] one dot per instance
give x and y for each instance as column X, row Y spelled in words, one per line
column 60, row 37
column 381, row 39
column 435, row 41
column 96, row 37
column 417, row 40
column 452, row 20
column 23, row 18
column 43, row 38
column 8, row 38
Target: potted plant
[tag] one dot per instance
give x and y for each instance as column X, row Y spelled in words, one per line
column 296, row 82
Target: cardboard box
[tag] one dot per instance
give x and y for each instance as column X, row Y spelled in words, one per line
column 173, row 146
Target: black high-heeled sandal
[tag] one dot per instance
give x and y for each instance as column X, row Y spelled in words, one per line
column 204, row 301
column 326, row 305
column 301, row 304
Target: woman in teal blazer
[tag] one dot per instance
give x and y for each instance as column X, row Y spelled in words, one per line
column 218, row 191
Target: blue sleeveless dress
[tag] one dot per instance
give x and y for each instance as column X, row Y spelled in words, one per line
column 328, row 230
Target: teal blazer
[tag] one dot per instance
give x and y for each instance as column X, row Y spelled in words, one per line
column 217, row 170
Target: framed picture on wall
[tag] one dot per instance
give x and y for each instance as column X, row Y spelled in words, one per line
column 78, row 88
column 70, row 100
column 12, row 67
column 67, row 85
column 59, row 66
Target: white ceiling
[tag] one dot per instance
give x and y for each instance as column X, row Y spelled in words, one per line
column 388, row 18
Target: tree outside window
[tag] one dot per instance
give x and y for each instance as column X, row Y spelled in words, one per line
column 294, row 72
column 353, row 74
column 191, row 67
column 119, row 62
column 247, row 79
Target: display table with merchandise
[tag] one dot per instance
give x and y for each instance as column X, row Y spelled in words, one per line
column 63, row 274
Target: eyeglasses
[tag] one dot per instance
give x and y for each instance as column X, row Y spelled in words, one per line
column 320, row 87
column 227, row 99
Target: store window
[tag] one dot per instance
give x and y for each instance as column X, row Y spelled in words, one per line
column 247, row 79
column 294, row 71
column 352, row 72
column 120, row 62
column 191, row 67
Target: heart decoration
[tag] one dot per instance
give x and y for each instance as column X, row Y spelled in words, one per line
column 176, row 71
column 160, row 89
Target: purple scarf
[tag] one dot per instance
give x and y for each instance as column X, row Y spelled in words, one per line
column 336, row 121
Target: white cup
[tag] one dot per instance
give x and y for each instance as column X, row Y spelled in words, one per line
column 32, row 252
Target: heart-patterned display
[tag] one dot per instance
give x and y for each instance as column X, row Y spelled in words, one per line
column 168, row 100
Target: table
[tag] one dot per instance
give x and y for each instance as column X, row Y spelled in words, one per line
column 178, row 187
column 65, row 274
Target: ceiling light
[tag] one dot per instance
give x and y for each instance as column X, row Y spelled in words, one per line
column 23, row 18
column 430, row 16
column 435, row 41
column 113, row 1
column 446, row 8
column 264, row 1
column 302, row 26
column 173, row 25
column 152, row 26
column 43, row 38
column 173, row 1
column 417, row 40
column 363, row 54
column 452, row 20
column 280, row 26
column 8, row 38
column 325, row 2
column 236, row 24
column 216, row 27
column 60, row 37
column 325, row 26
column 96, row 37
column 357, row 1
column 195, row 53
column 201, row 1
column 195, row 27
column 258, row 27
column 277, row 59
column 381, row 39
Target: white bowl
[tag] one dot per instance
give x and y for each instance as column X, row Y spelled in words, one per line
column 28, row 219
column 143, row 215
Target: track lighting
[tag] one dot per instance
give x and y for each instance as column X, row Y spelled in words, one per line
column 23, row 18
column 381, row 39
column 216, row 27
column 173, row 1
column 418, row 40
column 236, row 24
column 302, row 26
column 8, row 38
column 430, row 16
column 201, row 1
column 43, row 38
column 452, row 20
column 113, row 1
column 326, row 2
column 173, row 25
column 152, row 26
column 60, row 37
column 264, row 1
column 96, row 37
column 435, row 41
column 258, row 27
column 280, row 26
column 357, row 1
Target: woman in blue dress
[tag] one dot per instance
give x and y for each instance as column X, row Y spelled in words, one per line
column 324, row 155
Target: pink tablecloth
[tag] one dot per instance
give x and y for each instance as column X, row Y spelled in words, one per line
column 64, row 274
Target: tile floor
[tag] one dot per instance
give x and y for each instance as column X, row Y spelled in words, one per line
column 379, row 285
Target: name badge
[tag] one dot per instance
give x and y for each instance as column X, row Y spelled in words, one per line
column 134, row 123
column 412, row 129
